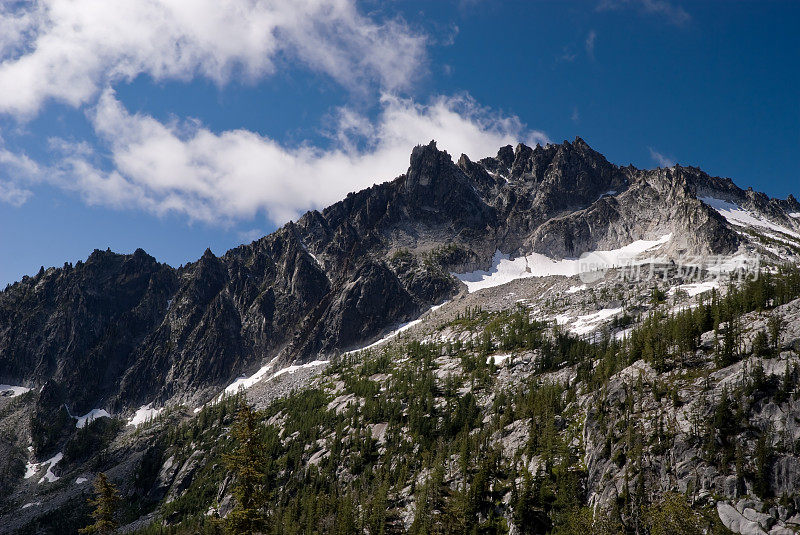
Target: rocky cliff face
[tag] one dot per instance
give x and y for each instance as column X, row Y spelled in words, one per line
column 81, row 326
column 120, row 331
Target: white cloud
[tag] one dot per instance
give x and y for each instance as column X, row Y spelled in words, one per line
column 185, row 168
column 672, row 13
column 567, row 55
column 16, row 172
column 250, row 235
column 12, row 194
column 591, row 39
column 67, row 50
column 75, row 51
column 660, row 159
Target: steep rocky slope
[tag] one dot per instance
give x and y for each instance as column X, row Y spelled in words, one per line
column 120, row 331
column 512, row 408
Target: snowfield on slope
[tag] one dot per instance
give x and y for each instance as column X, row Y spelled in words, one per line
column 498, row 359
column 263, row 374
column 143, row 414
column 12, row 391
column 739, row 216
column 404, row 327
column 90, row 416
column 245, row 382
column 505, row 270
column 695, row 288
column 32, row 468
column 588, row 322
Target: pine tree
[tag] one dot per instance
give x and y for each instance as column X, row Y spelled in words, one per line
column 246, row 462
column 673, row 514
column 763, row 457
column 378, row 510
column 760, row 344
column 105, row 505
column 741, row 488
column 775, row 324
column 786, row 386
column 528, row 515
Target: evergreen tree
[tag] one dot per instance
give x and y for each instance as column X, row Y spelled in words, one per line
column 672, row 515
column 741, row 488
column 775, row 325
column 378, row 510
column 105, row 505
column 787, row 385
column 247, row 462
column 528, row 514
column 760, row 346
column 583, row 521
column 763, row 458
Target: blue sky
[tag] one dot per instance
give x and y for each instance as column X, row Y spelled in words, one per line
column 175, row 126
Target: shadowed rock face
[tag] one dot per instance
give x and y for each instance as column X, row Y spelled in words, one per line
column 124, row 330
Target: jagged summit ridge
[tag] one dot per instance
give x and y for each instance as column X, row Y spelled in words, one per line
column 121, row 331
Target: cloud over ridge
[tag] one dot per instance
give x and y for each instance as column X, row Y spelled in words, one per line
column 223, row 177
column 73, row 52
column 69, row 50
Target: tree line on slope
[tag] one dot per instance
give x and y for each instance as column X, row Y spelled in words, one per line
column 439, row 450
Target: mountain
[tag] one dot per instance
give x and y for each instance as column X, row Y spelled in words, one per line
column 121, row 331
column 123, row 334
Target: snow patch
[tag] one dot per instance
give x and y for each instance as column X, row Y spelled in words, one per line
column 796, row 215
column 498, row 359
column 575, row 289
column 12, row 391
column 401, row 328
column 695, row 288
column 305, row 248
column 81, row 481
column 588, row 322
column 49, row 476
column 505, row 270
column 779, row 237
column 31, row 504
column 244, row 382
column 144, row 414
column 91, row 416
column 623, row 334
column 294, row 367
column 738, row 216
column 32, row 468
column 609, row 192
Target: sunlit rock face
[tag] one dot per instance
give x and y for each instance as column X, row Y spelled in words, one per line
column 121, row 331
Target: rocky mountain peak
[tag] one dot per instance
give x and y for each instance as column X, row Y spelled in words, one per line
column 506, row 156
column 122, row 332
column 125, row 330
column 580, row 143
column 427, row 165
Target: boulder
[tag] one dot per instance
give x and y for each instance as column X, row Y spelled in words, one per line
column 734, row 521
